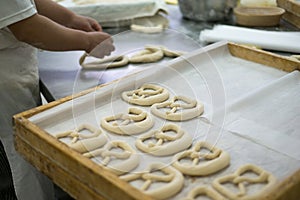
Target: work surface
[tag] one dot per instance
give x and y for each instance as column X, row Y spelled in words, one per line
column 61, row 74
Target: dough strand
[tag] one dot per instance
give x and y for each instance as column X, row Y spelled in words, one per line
column 146, row 95
column 241, row 181
column 149, row 54
column 84, row 142
column 129, row 158
column 134, row 122
column 177, row 111
column 206, row 191
column 201, row 164
column 104, row 63
column 165, row 144
column 172, row 179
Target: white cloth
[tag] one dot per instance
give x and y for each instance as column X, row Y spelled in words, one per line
column 19, row 91
column 287, row 41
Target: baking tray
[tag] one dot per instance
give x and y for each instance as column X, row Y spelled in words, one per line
column 217, row 75
column 292, row 6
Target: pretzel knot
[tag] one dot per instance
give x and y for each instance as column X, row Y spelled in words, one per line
column 146, row 95
column 82, row 142
column 161, row 144
column 134, row 122
column 201, row 163
column 180, row 108
column 146, row 91
column 172, row 179
column 206, row 191
column 242, row 181
column 128, row 157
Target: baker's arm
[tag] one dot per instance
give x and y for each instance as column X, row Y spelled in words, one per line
column 43, row 33
column 65, row 17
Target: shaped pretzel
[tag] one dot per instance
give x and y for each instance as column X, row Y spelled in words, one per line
column 130, row 159
column 84, row 142
column 177, row 111
column 165, row 144
column 204, row 190
column 134, row 122
column 104, row 63
column 146, row 95
column 202, row 163
column 172, row 178
column 242, row 181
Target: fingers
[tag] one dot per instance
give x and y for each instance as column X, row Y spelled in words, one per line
column 104, row 47
column 86, row 24
column 96, row 26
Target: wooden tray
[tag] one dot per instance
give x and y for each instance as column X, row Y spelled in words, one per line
column 292, row 14
column 291, row 6
column 84, row 179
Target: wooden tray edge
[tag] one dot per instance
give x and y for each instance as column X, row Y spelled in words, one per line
column 264, row 57
column 290, row 6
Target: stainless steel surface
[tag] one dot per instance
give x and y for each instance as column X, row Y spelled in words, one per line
column 61, row 75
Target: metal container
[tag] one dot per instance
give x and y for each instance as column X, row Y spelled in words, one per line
column 206, row 10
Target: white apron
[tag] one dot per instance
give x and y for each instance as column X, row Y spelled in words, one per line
column 19, row 91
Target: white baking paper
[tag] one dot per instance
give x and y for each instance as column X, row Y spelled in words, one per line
column 287, row 41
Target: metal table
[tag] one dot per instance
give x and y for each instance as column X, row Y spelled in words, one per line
column 61, row 75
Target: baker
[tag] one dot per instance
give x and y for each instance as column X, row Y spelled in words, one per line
column 26, row 25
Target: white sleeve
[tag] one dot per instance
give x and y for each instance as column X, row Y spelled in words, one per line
column 12, row 11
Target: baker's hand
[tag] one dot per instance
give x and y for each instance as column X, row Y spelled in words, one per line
column 84, row 23
column 101, row 44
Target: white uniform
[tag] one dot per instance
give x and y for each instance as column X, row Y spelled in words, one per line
column 19, row 91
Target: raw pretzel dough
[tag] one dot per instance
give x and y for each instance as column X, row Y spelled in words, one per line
column 213, row 161
column 84, row 142
column 167, row 52
column 146, row 95
column 172, row 53
column 104, row 63
column 177, row 111
column 129, row 155
column 204, row 190
column 172, row 178
column 149, row 54
column 135, row 122
column 165, row 144
column 242, row 181
column 153, row 54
